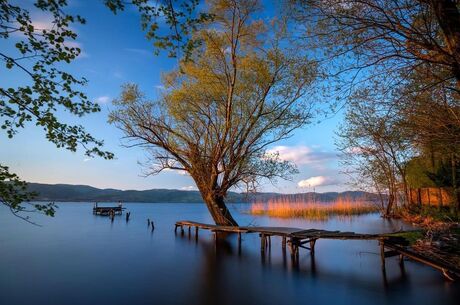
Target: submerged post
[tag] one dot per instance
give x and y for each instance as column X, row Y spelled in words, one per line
column 262, row 242
column 382, row 254
column 312, row 246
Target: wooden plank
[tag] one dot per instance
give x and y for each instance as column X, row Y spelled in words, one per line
column 391, row 253
column 443, row 267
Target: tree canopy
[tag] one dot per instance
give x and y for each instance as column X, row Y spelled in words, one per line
column 39, row 56
column 242, row 90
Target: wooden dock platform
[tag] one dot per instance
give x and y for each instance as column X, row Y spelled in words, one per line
column 296, row 238
column 108, row 211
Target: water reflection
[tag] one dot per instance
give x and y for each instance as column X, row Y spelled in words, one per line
column 76, row 258
column 217, row 251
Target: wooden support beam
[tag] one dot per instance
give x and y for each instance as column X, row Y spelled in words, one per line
column 283, row 242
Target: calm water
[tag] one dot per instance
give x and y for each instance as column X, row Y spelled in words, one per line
column 79, row 258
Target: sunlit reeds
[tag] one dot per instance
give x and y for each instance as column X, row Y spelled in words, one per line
column 295, row 208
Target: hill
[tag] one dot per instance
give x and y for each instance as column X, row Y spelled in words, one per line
column 68, row 193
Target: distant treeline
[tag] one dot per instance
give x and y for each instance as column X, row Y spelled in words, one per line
column 85, row 193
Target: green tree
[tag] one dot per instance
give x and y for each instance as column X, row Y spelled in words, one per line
column 241, row 91
column 40, row 55
column 180, row 18
column 376, row 148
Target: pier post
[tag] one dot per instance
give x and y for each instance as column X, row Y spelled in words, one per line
column 262, row 242
column 283, row 243
column 382, row 254
column 312, row 246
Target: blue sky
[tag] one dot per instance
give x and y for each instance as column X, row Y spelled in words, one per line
column 115, row 52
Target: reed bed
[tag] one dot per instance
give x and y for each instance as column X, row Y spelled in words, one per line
column 288, row 208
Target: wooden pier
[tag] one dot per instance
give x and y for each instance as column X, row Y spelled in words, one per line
column 296, row 238
column 108, row 211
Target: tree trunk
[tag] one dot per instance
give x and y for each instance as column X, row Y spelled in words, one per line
column 219, row 211
column 456, row 197
column 391, row 200
column 406, row 193
column 448, row 17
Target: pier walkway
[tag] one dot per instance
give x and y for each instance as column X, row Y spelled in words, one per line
column 296, row 238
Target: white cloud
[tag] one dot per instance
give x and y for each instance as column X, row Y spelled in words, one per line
column 42, row 24
column 188, row 188
column 46, row 23
column 103, row 99
column 301, row 154
column 316, row 181
column 177, row 171
column 160, row 87
column 86, row 159
column 76, row 44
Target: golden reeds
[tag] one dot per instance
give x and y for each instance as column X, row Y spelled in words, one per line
column 289, row 208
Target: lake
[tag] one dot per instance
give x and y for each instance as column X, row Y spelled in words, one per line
column 79, row 258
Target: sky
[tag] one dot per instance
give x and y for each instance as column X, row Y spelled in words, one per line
column 115, row 52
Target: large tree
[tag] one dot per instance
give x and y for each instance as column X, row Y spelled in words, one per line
column 242, row 90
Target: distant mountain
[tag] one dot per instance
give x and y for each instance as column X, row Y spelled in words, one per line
column 68, row 193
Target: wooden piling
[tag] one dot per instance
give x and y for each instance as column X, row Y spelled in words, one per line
column 312, row 246
column 262, row 242
column 401, row 260
column 382, row 254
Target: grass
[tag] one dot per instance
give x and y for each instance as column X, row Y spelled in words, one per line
column 286, row 208
column 443, row 214
column 410, row 236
